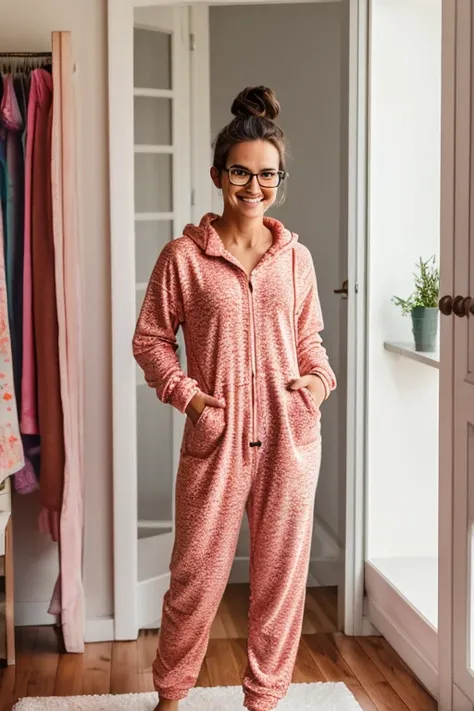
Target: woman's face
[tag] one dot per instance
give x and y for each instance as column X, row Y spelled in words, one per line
column 251, row 200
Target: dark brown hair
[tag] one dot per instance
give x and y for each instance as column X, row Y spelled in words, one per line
column 255, row 110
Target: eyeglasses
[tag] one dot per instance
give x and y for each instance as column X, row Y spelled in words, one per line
column 266, row 178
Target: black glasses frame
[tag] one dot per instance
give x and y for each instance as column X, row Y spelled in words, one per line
column 282, row 174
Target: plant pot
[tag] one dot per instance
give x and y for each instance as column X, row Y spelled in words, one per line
column 425, row 328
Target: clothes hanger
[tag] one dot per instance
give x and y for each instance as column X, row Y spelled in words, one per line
column 24, row 62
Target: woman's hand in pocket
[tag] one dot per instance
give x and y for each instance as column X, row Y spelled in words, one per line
column 198, row 403
column 315, row 386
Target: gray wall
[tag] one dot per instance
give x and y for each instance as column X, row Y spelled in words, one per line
column 301, row 51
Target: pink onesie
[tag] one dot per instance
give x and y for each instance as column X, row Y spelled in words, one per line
column 246, row 337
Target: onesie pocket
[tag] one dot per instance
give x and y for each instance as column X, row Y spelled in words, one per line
column 200, row 439
column 304, row 416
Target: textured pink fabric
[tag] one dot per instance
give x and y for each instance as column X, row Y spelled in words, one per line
column 9, row 109
column 230, row 320
column 39, row 99
column 25, row 479
column 68, row 596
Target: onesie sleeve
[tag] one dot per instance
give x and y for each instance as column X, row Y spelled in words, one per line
column 154, row 341
column 312, row 356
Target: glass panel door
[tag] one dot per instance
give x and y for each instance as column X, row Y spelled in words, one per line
column 162, row 205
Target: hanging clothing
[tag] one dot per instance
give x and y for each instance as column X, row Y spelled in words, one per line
column 38, row 102
column 26, row 480
column 51, row 372
column 11, row 450
column 21, row 84
column 11, row 159
column 246, row 338
column 45, row 318
column 68, row 596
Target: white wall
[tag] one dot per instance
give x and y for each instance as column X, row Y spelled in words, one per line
column 305, row 62
column 404, row 225
column 26, row 25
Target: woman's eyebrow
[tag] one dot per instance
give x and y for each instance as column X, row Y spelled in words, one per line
column 243, row 167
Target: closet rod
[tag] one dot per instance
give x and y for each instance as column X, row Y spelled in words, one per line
column 25, row 54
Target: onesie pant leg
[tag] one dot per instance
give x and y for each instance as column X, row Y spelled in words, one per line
column 280, row 511
column 210, row 503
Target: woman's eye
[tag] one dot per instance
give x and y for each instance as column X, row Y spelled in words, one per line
column 268, row 174
column 238, row 172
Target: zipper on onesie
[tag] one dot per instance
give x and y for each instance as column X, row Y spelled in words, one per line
column 256, row 442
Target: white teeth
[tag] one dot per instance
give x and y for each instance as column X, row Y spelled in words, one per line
column 253, row 201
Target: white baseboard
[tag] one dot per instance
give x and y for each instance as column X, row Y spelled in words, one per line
column 324, row 572
column 404, row 645
column 460, row 701
column 368, row 629
column 33, row 614
column 100, row 629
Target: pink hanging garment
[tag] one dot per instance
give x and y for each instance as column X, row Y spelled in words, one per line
column 45, row 315
column 38, row 94
column 68, row 596
column 9, row 109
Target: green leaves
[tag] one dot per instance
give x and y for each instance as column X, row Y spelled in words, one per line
column 426, row 292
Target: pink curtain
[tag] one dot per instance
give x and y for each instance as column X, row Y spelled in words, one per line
column 68, row 596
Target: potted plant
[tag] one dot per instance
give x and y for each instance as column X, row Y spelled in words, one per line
column 422, row 305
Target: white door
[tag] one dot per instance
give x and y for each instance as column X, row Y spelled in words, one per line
column 147, row 433
column 463, row 426
column 456, row 650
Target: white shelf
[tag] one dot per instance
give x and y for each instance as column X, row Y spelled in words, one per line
column 407, row 350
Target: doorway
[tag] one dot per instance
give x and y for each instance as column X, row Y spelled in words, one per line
column 165, row 199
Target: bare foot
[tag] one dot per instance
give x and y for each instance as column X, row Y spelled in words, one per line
column 167, row 705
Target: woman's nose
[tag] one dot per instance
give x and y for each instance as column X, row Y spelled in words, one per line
column 253, row 183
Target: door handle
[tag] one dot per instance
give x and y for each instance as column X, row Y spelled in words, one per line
column 343, row 291
column 459, row 305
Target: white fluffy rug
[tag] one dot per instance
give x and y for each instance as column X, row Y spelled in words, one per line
column 320, row 696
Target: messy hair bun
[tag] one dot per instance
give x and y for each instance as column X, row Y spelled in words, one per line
column 257, row 101
column 255, row 109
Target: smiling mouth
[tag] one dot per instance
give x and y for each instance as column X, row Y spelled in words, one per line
column 250, row 201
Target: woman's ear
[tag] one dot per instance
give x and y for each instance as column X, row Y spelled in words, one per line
column 216, row 177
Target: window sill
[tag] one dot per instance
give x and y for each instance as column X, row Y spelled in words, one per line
column 407, row 350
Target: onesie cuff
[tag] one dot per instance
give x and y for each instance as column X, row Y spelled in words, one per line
column 183, row 392
column 327, row 388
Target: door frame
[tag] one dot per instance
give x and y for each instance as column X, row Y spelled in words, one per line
column 446, row 380
column 121, row 182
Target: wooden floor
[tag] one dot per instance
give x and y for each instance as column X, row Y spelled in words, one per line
column 374, row 673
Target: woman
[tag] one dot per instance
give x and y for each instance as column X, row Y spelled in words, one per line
column 243, row 288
